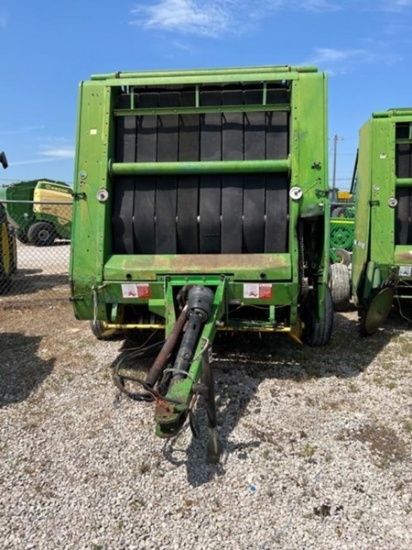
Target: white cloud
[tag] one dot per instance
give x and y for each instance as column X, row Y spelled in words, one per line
column 213, row 18
column 342, row 61
column 186, row 16
column 48, row 154
column 64, row 152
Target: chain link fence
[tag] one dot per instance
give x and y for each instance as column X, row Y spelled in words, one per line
column 34, row 251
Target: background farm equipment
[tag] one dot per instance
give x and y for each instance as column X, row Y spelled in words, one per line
column 382, row 258
column 38, row 210
column 342, row 225
column 201, row 204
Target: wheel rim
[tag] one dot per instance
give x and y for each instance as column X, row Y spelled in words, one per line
column 44, row 235
column 378, row 310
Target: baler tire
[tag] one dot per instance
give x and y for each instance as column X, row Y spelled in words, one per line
column 345, row 257
column 41, row 234
column 318, row 333
column 340, row 286
column 101, row 332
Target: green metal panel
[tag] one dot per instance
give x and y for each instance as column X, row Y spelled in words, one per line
column 97, row 272
column 382, row 189
column 377, row 259
column 362, row 211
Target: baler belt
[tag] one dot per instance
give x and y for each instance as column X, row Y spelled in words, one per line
column 232, row 212
column 276, row 226
column 404, row 160
column 403, row 227
column 188, row 188
column 210, row 192
column 124, row 198
column 210, row 213
column 232, row 190
column 144, row 207
column 166, row 187
column 145, row 199
column 253, row 213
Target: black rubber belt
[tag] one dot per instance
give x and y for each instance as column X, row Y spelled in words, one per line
column 403, row 160
column 166, row 186
column 122, row 218
column 253, row 213
column 232, row 185
column 403, row 227
column 210, row 185
column 277, row 200
column 254, row 185
column 188, row 186
column 145, row 189
column 277, row 135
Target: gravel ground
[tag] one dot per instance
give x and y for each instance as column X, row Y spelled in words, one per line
column 317, row 445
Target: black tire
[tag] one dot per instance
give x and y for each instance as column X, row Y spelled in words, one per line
column 344, row 256
column 22, row 236
column 338, row 212
column 317, row 333
column 41, row 234
column 340, row 286
column 99, row 329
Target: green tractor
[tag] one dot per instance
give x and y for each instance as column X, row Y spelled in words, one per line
column 38, row 210
column 382, row 255
column 201, row 204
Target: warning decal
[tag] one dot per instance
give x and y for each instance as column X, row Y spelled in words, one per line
column 257, row 290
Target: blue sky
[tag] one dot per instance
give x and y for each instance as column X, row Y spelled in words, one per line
column 49, row 46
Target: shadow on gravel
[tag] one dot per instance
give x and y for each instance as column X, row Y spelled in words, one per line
column 21, row 370
column 242, row 361
column 30, row 281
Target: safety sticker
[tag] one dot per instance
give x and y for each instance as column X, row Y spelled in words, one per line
column 405, row 271
column 257, row 290
column 135, row 290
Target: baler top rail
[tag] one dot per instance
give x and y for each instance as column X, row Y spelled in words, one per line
column 208, row 75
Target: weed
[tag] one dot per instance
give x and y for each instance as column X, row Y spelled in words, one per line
column 308, row 450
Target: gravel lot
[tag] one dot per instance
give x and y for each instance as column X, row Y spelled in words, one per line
column 317, row 445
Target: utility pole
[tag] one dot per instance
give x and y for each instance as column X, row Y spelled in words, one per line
column 336, row 138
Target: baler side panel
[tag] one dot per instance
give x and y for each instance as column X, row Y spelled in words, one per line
column 382, row 189
column 91, row 217
column 362, row 208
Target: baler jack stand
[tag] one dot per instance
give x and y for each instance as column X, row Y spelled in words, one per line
column 213, row 446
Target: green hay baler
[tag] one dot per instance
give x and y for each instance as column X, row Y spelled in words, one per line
column 382, row 254
column 201, row 204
